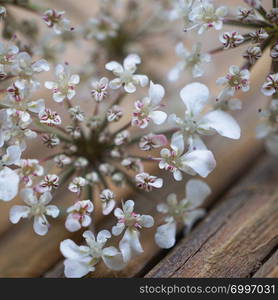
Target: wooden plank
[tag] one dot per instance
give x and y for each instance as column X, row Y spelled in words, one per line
column 236, row 236
column 269, row 269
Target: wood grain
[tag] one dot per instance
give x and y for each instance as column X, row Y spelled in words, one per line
column 236, row 236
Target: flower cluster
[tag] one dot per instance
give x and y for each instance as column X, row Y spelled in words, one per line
column 100, row 145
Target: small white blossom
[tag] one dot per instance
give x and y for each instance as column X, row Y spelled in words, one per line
column 253, row 53
column 274, row 52
column 185, row 211
column 152, row 141
column 195, row 96
column 146, row 109
column 147, row 182
column 107, row 198
column 64, row 87
column 134, row 164
column 270, row 86
column 76, row 113
column 77, row 184
column 49, row 117
column 192, row 61
column 132, row 222
column 55, row 19
column 125, row 74
column 61, row 160
column 100, row 28
column 235, row 80
column 29, row 168
column 50, row 181
column 206, row 16
column 79, row 215
column 114, row 113
column 194, row 162
column 100, row 89
column 231, row 39
column 81, row 260
column 37, row 208
column 122, row 137
column 26, row 69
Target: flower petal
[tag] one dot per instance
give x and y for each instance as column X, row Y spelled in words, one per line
column 17, row 212
column 195, row 96
column 9, row 181
column 221, row 122
column 156, row 93
column 196, row 192
column 165, row 236
column 76, row 269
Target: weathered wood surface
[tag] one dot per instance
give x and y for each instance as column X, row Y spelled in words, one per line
column 236, row 236
column 269, row 269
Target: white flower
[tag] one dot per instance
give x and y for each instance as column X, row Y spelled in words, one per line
column 253, row 53
column 62, row 160
column 64, row 87
column 195, row 96
column 205, row 16
column 146, row 109
column 152, row 141
column 50, row 181
column 77, row 184
column 122, row 137
column 55, row 19
column 235, row 80
column 79, row 215
column 100, row 28
column 194, row 162
column 125, row 74
column 49, row 117
column 132, row 222
column 181, row 9
column 8, row 55
column 9, row 181
column 37, row 208
column 132, row 163
column 186, row 211
column 192, row 61
column 29, row 168
column 26, row 69
column 76, row 113
column 270, row 86
column 12, row 156
column 19, row 98
column 231, row 39
column 99, row 91
column 81, row 260
column 147, row 182
column 114, row 113
column 107, row 198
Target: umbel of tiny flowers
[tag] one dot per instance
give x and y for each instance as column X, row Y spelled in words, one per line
column 37, row 208
column 130, row 222
column 184, row 212
column 125, row 74
column 81, row 260
column 195, row 97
